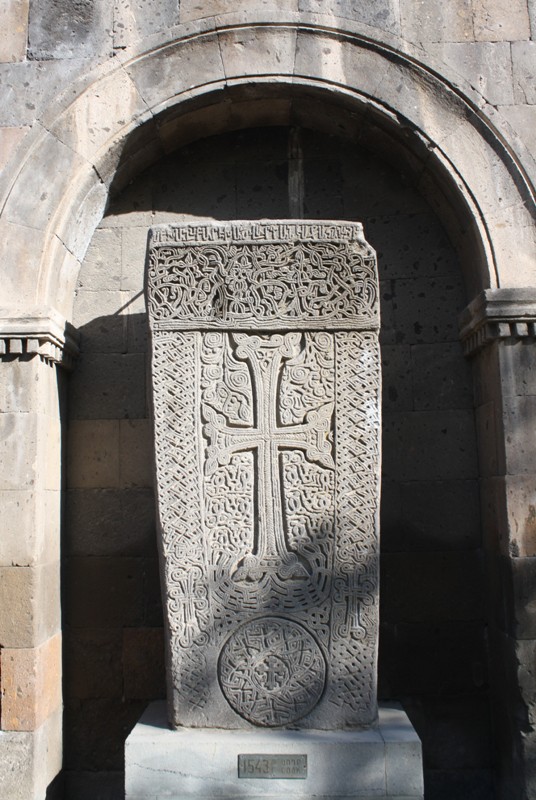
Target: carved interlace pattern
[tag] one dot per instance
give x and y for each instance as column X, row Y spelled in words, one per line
column 267, row 452
column 230, row 284
column 272, row 671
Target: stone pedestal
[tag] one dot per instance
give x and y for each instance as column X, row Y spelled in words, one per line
column 378, row 762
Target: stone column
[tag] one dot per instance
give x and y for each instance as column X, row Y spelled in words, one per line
column 499, row 329
column 31, row 394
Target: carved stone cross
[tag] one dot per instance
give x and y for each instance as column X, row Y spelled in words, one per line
column 266, row 387
column 268, row 438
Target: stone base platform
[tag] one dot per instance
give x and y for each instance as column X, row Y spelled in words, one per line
column 165, row 764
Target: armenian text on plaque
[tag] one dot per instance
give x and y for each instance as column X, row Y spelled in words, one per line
column 266, row 388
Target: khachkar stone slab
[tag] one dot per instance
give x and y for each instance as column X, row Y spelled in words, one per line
column 266, row 386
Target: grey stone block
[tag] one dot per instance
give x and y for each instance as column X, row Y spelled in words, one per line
column 92, row 658
column 487, row 66
column 107, row 522
column 101, row 268
column 523, row 572
column 199, row 190
column 396, row 378
column 435, row 21
column 450, row 586
column 429, row 445
column 519, row 418
column 101, row 319
column 135, row 19
column 412, row 245
column 524, row 65
column 28, row 87
column 109, row 386
column 441, row 377
column 430, row 515
column 60, row 29
column 14, row 26
column 377, row 14
column 522, row 118
column 104, row 592
column 104, row 785
column 262, row 190
column 500, row 20
column 323, row 195
column 518, row 367
column 427, row 309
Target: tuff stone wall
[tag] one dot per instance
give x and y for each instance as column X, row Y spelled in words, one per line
column 433, row 650
column 47, row 50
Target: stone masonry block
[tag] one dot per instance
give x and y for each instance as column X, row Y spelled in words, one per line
column 101, row 268
column 9, row 140
column 263, row 192
column 490, row 441
column 101, row 320
column 519, row 420
column 429, row 445
column 518, row 367
column 19, row 389
column 60, row 30
column 396, row 378
column 104, row 592
column 425, row 21
column 108, row 386
column 430, row 515
column 93, row 454
column 198, row 9
column 133, row 20
column 524, row 65
column 18, row 449
column 30, row 524
column 143, row 663
column 136, row 453
column 521, row 514
column 30, row 760
column 205, row 189
column 441, row 377
column 500, row 20
column 93, row 667
column 377, row 14
column 522, row 118
column 427, row 309
column 30, row 602
column 30, row 685
column 523, row 572
column 411, row 245
column 487, row 66
column 14, row 27
column 450, row 586
column 108, row 522
column 133, row 250
column 260, row 51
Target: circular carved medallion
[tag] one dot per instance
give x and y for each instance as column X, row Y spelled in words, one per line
column 272, row 671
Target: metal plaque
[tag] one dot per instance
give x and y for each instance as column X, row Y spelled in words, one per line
column 255, row 765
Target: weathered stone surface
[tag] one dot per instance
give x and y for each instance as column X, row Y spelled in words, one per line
column 377, row 14
column 100, row 316
column 30, row 599
column 133, row 21
column 14, row 26
column 417, row 319
column 412, row 441
column 109, row 386
column 521, row 514
column 93, row 454
column 431, row 515
column 523, row 60
column 108, row 522
column 102, row 262
column 104, row 592
column 435, row 21
column 522, row 118
column 143, row 663
column 519, row 416
column 9, row 140
column 93, row 665
column 29, row 760
column 135, row 445
column 62, row 31
column 266, row 400
column 441, row 377
column 487, row 66
column 500, row 20
column 198, row 9
column 30, row 684
column 258, row 52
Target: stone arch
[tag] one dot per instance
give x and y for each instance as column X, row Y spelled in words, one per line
column 238, row 70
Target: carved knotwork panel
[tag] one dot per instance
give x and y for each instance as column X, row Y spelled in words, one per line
column 267, row 456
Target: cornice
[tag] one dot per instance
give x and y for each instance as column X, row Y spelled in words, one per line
column 39, row 332
column 498, row 314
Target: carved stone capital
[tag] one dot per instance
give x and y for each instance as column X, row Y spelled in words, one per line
column 498, row 314
column 38, row 331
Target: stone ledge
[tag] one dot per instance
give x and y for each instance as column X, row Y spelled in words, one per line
column 43, row 332
column 377, row 762
column 498, row 314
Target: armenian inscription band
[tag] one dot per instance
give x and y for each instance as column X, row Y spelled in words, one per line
column 266, row 390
